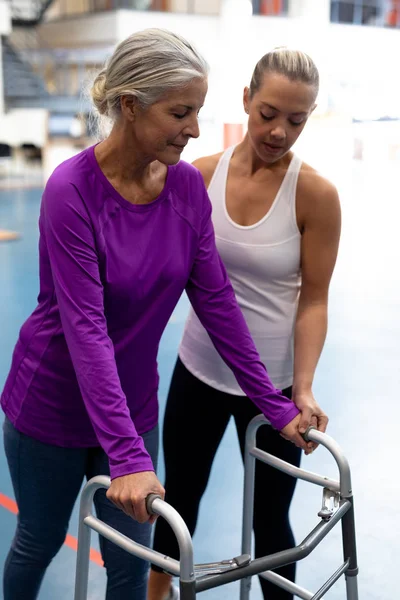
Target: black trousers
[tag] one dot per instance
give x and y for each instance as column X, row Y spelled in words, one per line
column 195, row 420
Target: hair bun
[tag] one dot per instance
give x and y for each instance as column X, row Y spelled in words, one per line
column 98, row 93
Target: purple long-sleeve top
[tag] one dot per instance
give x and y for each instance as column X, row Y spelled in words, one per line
column 84, row 369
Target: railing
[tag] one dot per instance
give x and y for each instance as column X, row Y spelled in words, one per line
column 65, row 72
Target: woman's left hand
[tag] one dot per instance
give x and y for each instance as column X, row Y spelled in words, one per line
column 311, row 414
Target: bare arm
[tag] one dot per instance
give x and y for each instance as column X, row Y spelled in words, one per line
column 211, row 295
column 319, row 247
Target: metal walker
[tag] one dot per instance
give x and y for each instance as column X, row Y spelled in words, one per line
column 337, row 505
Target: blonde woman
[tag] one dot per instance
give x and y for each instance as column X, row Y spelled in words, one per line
column 277, row 226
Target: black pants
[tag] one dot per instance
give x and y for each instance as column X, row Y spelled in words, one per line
column 195, row 420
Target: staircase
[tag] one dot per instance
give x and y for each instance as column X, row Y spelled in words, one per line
column 22, row 86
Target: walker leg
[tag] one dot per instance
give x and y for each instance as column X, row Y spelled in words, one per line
column 187, row 590
column 82, row 562
column 84, row 534
column 351, row 587
column 248, row 510
column 245, row 588
column 350, row 552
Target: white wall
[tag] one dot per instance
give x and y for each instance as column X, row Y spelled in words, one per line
column 5, row 20
column 317, row 10
column 24, row 126
column 1, row 84
column 201, row 7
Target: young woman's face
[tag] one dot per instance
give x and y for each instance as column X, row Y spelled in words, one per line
column 278, row 112
column 164, row 128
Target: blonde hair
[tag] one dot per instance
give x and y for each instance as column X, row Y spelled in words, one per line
column 293, row 64
column 146, row 65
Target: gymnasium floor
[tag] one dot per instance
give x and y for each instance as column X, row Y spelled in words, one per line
column 358, row 384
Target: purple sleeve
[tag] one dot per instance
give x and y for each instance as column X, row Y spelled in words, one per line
column 213, row 299
column 68, row 232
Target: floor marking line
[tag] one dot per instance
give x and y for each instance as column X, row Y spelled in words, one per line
column 70, row 540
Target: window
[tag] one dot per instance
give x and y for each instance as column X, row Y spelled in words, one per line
column 384, row 13
column 270, row 7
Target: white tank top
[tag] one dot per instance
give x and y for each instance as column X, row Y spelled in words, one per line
column 263, row 264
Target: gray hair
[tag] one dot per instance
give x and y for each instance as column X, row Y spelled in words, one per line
column 146, row 65
column 293, row 64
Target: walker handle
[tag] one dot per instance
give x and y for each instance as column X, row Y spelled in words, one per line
column 305, row 435
column 149, row 502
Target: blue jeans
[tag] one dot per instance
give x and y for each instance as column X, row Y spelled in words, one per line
column 47, row 480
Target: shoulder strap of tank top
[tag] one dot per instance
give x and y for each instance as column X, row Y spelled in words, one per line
column 290, row 181
column 289, row 188
column 221, row 170
column 289, row 184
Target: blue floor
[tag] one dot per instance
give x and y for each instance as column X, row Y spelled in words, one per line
column 358, row 383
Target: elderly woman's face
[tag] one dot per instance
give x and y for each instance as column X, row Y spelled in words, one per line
column 164, row 128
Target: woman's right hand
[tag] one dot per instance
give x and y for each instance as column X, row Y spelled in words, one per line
column 129, row 493
column 291, row 433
